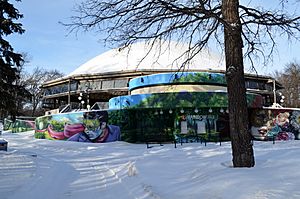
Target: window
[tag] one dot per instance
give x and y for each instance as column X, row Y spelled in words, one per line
column 73, row 86
column 107, row 84
column 95, row 85
column 251, row 84
column 120, row 83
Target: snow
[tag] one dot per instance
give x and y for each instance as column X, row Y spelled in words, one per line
column 140, row 56
column 33, row 168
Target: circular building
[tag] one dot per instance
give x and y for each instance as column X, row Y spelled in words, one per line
column 107, row 76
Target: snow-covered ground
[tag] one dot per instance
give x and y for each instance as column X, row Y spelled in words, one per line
column 44, row 169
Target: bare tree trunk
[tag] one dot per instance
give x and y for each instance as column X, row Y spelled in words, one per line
column 242, row 150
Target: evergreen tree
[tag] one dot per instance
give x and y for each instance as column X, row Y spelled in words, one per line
column 10, row 62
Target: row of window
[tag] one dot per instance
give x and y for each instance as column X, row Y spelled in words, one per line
column 121, row 83
column 86, row 85
column 252, row 84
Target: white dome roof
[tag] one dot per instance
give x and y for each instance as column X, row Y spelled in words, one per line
column 140, row 56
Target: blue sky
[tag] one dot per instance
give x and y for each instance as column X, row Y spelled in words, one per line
column 49, row 46
column 47, row 42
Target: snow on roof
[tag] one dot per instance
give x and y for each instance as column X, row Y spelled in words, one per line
column 140, row 56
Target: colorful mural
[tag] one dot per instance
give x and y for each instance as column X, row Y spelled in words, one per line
column 278, row 124
column 178, row 78
column 92, row 126
column 153, row 96
column 165, row 125
column 154, row 114
column 18, row 125
column 142, row 125
column 208, row 90
column 179, row 99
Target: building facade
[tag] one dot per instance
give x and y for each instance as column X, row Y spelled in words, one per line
column 151, row 94
column 108, row 76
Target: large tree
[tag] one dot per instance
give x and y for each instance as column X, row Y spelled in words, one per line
column 240, row 30
column 10, row 62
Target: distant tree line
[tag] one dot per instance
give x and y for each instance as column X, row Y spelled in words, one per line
column 289, row 77
column 32, row 82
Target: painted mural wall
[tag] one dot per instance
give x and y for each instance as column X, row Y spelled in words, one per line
column 153, row 116
column 177, row 78
column 136, row 125
column 92, row 126
column 179, row 100
column 18, row 125
column 164, row 125
column 278, row 124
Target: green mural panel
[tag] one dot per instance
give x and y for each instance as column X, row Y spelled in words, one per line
column 18, row 125
column 179, row 99
column 165, row 125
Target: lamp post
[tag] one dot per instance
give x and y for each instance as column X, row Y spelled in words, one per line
column 69, row 92
column 282, row 97
column 88, row 106
column 274, row 90
column 87, row 91
column 81, row 102
column 85, row 94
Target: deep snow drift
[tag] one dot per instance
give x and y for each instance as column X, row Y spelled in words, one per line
column 44, row 169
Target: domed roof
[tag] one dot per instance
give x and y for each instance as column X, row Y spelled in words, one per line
column 142, row 56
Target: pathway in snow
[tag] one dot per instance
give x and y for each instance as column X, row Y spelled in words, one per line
column 45, row 169
column 15, row 170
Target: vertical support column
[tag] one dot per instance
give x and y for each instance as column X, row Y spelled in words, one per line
column 69, row 92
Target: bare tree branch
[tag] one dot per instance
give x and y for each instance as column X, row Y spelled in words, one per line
column 193, row 21
column 242, row 32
